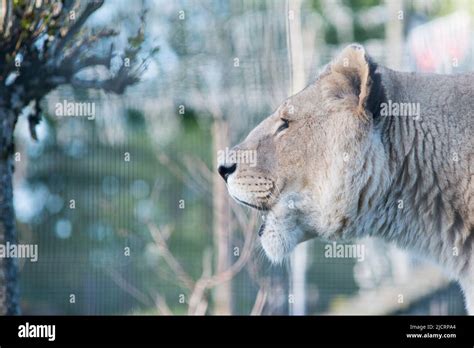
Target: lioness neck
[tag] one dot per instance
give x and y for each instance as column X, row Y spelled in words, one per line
column 425, row 128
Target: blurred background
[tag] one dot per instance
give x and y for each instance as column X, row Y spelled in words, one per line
column 127, row 209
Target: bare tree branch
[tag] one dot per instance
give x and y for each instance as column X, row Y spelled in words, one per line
column 95, row 60
column 127, row 287
column 91, row 7
column 259, row 302
column 162, row 306
column 116, row 84
column 169, row 258
column 198, row 302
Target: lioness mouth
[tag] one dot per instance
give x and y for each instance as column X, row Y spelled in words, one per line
column 261, row 207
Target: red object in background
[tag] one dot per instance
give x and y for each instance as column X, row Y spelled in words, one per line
column 442, row 44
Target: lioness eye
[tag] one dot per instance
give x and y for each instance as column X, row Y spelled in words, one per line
column 284, row 125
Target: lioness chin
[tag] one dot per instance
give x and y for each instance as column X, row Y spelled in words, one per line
column 367, row 151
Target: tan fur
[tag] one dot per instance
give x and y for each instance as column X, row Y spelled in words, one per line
column 339, row 173
column 352, row 62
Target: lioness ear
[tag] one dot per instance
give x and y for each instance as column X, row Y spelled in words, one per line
column 353, row 64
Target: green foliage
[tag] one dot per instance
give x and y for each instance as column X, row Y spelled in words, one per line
column 357, row 5
column 361, row 32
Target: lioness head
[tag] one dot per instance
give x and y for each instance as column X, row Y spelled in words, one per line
column 312, row 158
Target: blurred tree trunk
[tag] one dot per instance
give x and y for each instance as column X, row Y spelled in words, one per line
column 297, row 83
column 222, row 222
column 8, row 266
column 394, row 36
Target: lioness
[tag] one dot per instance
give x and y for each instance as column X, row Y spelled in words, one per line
column 367, row 151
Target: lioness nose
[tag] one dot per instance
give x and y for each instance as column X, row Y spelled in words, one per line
column 226, row 169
